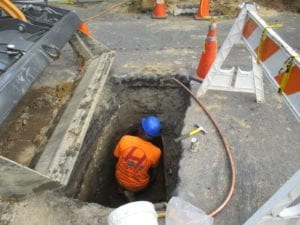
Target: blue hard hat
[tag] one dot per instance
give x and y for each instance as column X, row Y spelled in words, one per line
column 151, row 126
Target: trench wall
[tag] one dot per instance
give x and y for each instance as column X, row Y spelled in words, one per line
column 124, row 101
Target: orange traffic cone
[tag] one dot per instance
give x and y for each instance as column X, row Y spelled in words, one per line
column 212, row 30
column 159, row 10
column 83, row 27
column 203, row 10
column 210, row 51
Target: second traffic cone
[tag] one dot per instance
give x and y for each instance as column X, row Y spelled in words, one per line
column 203, row 10
column 212, row 30
column 209, row 53
column 83, row 27
column 159, row 10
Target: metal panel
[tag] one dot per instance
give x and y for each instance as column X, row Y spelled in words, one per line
column 18, row 77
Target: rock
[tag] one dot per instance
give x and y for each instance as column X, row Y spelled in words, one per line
column 147, row 5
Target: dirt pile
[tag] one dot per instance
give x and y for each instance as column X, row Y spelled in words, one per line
column 25, row 131
column 220, row 7
column 281, row 5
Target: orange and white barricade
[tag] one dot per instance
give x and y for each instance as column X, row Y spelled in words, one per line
column 270, row 54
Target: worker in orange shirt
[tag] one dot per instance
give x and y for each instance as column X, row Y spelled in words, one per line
column 137, row 156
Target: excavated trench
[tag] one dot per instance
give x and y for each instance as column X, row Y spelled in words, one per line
column 124, row 101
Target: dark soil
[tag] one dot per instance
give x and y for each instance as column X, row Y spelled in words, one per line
column 27, row 128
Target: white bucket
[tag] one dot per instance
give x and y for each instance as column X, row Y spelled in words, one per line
column 134, row 213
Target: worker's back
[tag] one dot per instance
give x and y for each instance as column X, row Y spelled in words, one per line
column 135, row 157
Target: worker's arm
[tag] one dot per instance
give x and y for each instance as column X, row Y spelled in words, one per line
column 155, row 157
column 117, row 150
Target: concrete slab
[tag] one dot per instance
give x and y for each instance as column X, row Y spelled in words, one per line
column 18, row 180
column 62, row 150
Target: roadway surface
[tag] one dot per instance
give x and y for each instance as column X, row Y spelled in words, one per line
column 264, row 138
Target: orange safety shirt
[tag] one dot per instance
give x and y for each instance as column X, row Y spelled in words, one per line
column 135, row 157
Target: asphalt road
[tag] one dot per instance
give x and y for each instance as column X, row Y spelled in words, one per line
column 264, row 138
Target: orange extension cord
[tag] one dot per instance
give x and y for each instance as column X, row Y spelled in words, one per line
column 106, row 11
column 228, row 152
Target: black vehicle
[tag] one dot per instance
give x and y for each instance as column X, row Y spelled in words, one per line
column 28, row 45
